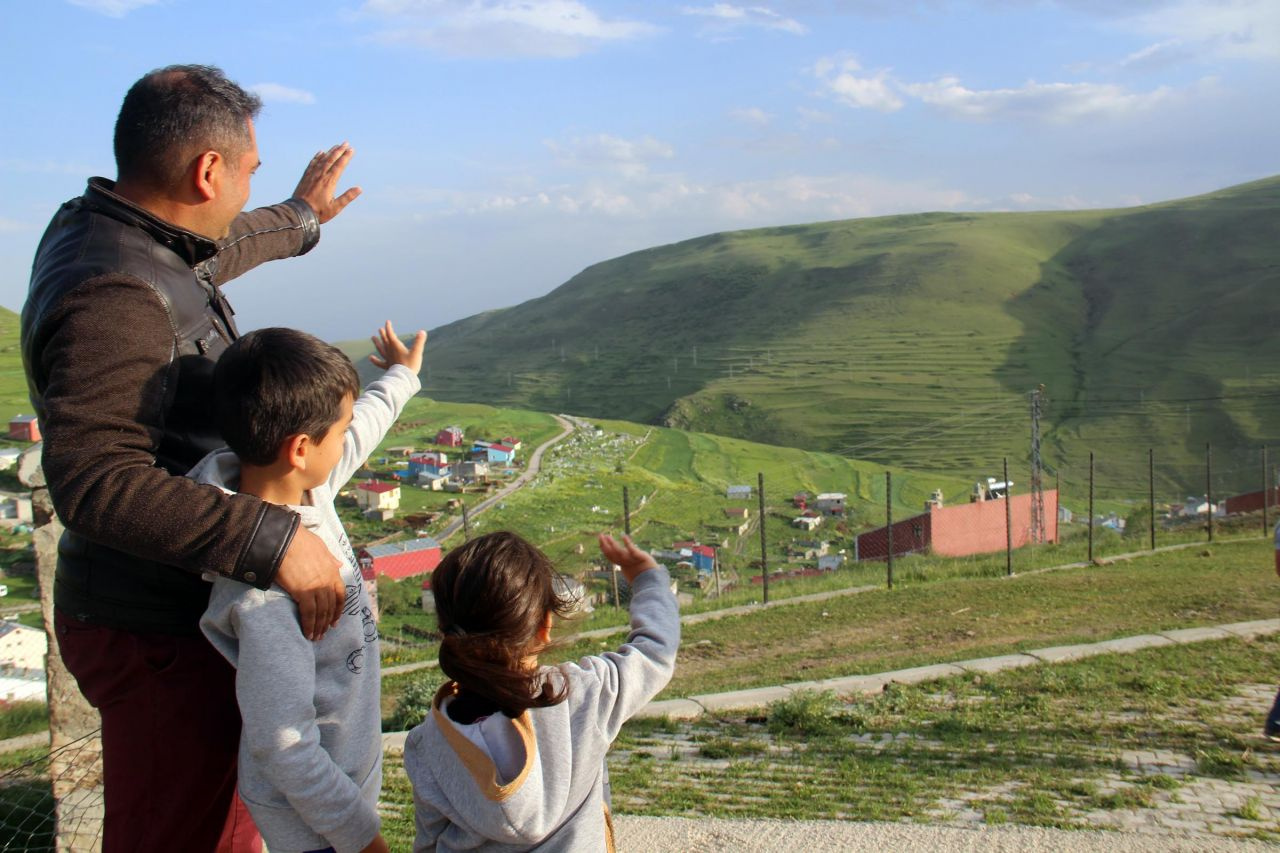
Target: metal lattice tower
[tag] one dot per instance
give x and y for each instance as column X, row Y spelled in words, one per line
column 1038, row 529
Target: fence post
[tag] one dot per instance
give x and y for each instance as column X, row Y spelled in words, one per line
column 1151, row 492
column 1266, row 492
column 1008, row 521
column 1090, row 506
column 764, row 562
column 1208, row 488
column 888, row 526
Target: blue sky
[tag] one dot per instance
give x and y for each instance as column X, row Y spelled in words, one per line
column 503, row 145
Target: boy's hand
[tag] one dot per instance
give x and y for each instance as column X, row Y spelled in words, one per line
column 626, row 556
column 391, row 350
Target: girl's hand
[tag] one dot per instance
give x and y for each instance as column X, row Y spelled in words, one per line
column 626, row 556
column 391, row 350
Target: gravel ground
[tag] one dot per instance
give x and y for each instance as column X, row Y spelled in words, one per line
column 707, row 835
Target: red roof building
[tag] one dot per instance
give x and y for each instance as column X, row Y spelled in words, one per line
column 24, row 428
column 400, row 559
column 450, row 436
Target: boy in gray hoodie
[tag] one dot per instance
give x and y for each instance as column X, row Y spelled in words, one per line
column 310, row 763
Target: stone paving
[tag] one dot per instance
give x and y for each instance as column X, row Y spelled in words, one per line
column 1158, row 791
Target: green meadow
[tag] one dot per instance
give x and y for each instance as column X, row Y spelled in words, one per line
column 914, row 341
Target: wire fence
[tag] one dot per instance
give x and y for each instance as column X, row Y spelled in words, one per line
column 52, row 800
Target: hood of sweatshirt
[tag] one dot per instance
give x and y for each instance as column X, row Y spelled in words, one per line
column 221, row 468
column 525, row 809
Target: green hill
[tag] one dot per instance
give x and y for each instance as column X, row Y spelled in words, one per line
column 13, row 382
column 914, row 340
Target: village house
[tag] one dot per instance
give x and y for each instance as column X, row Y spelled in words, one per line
column 401, row 451
column 9, row 457
column 472, row 471
column 15, row 508
column 493, row 452
column 449, row 437
column 24, row 428
column 809, row 550
column 738, row 493
column 398, row 560
column 432, row 463
column 701, row 557
column 800, row 500
column 22, row 657
column 512, row 442
column 430, row 479
column 739, row 519
column 807, row 522
column 378, row 499
column 830, row 503
column 830, row 562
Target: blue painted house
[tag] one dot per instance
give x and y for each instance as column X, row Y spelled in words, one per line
column 493, row 452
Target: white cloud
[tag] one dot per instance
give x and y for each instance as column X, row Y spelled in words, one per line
column 631, row 157
column 840, row 80
column 704, row 206
column 1055, row 103
column 725, row 17
column 751, row 115
column 112, row 8
column 1219, row 29
column 1160, row 55
column 501, row 28
column 813, row 116
column 277, row 93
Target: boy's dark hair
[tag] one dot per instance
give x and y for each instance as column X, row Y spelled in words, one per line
column 175, row 113
column 492, row 595
column 274, row 383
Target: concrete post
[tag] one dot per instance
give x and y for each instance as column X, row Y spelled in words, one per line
column 75, row 763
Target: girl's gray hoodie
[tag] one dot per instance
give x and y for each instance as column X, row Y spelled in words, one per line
column 311, row 747
column 556, row 801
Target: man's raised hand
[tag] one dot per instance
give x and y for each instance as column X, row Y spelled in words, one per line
column 319, row 184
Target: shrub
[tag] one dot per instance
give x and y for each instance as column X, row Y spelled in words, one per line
column 413, row 705
column 806, row 712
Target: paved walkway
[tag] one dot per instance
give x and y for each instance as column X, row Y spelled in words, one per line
column 709, row 835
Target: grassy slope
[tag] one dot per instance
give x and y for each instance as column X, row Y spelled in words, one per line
column 13, row 384
column 911, row 340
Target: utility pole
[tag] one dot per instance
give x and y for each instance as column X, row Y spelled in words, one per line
column 1037, row 470
column 764, row 560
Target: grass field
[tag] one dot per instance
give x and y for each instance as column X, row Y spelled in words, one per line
column 1040, row 745
column 936, row 618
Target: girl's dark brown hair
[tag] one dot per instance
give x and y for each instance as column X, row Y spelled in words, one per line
column 492, row 595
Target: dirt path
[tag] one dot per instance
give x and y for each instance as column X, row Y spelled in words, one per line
column 531, row 471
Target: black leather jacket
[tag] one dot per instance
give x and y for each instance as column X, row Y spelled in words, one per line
column 122, row 327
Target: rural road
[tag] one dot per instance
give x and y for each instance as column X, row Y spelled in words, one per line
column 711, row 835
column 531, row 471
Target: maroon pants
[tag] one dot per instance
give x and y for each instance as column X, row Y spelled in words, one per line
column 170, row 733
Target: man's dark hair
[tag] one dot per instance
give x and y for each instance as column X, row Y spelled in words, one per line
column 274, row 383
column 174, row 114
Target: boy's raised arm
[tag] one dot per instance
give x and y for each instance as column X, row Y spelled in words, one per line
column 381, row 403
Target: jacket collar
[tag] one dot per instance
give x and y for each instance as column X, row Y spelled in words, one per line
column 193, row 248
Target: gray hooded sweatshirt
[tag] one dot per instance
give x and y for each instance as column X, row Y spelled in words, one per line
column 556, row 800
column 310, row 765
